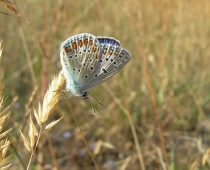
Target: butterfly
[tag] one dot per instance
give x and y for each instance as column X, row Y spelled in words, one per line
column 89, row 60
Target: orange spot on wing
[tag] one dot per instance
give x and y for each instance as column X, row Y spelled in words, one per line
column 104, row 52
column 110, row 52
column 97, row 56
column 74, row 45
column 94, row 49
column 91, row 43
column 80, row 43
column 67, row 49
column 85, row 41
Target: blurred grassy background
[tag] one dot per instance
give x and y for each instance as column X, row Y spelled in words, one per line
column 170, row 39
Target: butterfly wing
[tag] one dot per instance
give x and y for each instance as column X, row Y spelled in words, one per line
column 79, row 58
column 113, row 59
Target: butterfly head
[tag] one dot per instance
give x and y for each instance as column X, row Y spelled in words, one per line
column 85, row 95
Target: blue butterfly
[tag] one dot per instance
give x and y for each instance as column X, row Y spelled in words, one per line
column 88, row 60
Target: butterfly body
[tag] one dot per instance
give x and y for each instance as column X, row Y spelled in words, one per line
column 88, row 60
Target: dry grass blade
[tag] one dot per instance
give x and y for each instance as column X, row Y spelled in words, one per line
column 50, row 126
column 99, row 145
column 5, row 160
column 1, row 77
column 108, row 145
column 10, row 6
column 6, row 167
column 34, row 127
column 5, row 133
column 2, row 122
column 5, row 111
column 37, row 117
column 125, row 163
column 26, row 142
column 5, row 146
column 31, row 135
column 206, row 157
column 40, row 114
column 4, row 143
column 31, row 98
column 2, row 99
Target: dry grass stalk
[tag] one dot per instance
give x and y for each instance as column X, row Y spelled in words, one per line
column 31, row 98
column 4, row 142
column 50, row 102
column 10, row 6
column 206, row 158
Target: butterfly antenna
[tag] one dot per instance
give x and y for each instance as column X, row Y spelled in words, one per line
column 96, row 99
column 92, row 105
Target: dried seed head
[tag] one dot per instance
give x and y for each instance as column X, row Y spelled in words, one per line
column 26, row 142
column 50, row 126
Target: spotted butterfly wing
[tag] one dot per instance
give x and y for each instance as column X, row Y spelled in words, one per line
column 79, row 58
column 113, row 58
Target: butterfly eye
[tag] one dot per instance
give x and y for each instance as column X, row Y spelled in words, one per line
column 84, row 95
